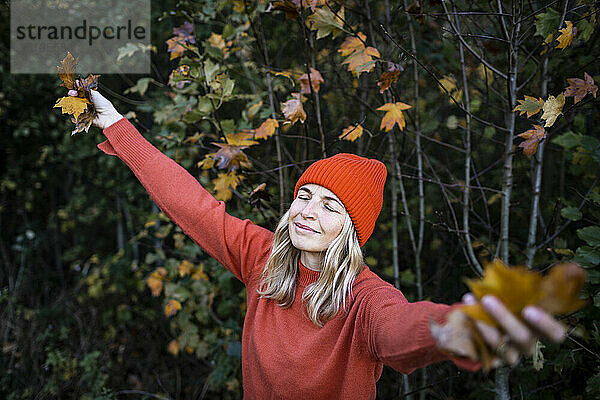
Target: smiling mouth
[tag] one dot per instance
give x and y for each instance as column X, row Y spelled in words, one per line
column 304, row 228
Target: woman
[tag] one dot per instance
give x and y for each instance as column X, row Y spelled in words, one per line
column 319, row 324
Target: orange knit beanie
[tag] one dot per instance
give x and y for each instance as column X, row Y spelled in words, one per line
column 356, row 181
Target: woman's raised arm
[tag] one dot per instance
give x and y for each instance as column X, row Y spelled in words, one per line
column 241, row 246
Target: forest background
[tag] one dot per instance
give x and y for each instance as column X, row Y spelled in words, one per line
column 484, row 112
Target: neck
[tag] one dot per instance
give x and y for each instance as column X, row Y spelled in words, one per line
column 312, row 260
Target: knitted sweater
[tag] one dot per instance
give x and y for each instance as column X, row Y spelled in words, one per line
column 284, row 355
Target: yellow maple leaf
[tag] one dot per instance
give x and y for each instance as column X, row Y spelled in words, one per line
column 393, row 116
column 266, row 129
column 172, row 307
column 185, row 268
column 518, row 287
column 352, row 133
column 566, row 35
column 552, row 109
column 66, row 71
column 485, row 74
column 243, row 138
column 224, row 183
column 352, row 44
column 448, row 85
column 173, row 347
column 155, row 280
column 362, row 60
column 199, row 274
column 72, row 105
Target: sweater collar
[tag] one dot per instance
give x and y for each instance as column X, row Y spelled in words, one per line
column 306, row 276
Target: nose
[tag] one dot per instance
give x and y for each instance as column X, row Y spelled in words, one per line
column 308, row 212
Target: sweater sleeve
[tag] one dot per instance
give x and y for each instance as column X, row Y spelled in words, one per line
column 238, row 245
column 398, row 331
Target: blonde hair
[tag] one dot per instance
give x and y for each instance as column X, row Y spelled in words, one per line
column 342, row 263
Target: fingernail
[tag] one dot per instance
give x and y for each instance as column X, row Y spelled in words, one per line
column 532, row 314
column 72, row 92
column 489, row 301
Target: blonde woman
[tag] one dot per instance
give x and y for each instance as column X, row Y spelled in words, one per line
column 319, row 323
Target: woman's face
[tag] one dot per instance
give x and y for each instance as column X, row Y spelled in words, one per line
column 316, row 218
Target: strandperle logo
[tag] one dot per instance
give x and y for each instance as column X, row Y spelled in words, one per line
column 109, row 36
column 84, row 31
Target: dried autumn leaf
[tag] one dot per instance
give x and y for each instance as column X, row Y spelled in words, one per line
column 155, row 280
column 253, row 109
column 199, row 274
column 287, row 6
column 217, row 41
column 266, row 129
column 185, row 268
column 84, row 121
column 388, row 77
column 393, row 116
column 293, row 111
column 325, row 22
column 172, row 307
column 518, row 287
column 561, row 288
column 566, row 35
column 175, row 45
column 66, row 72
column 231, row 157
column 208, row 161
column 173, row 347
column 352, row 44
column 315, row 81
column 579, row 88
column 448, row 86
column 529, row 105
column 242, row 138
column 258, row 194
column 352, row 133
column 362, row 60
column 72, row 105
column 532, row 138
column 224, row 183
column 552, row 109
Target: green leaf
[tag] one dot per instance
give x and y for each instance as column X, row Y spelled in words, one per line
column 193, row 116
column 590, row 143
column 584, row 30
column 568, row 140
column 571, row 213
column 141, row 86
column 210, row 70
column 595, row 197
column 587, row 256
column 547, row 23
column 130, row 49
column 590, row 234
column 593, row 385
column 204, row 105
column 324, row 22
column 489, row 132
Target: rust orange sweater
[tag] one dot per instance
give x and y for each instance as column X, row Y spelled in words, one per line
column 284, row 355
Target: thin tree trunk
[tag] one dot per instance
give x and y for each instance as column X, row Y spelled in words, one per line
column 538, row 161
column 467, row 188
column 502, row 374
column 282, row 175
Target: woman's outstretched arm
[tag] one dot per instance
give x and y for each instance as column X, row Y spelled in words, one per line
column 238, row 245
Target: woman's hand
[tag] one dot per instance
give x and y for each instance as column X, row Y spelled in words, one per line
column 506, row 345
column 518, row 338
column 106, row 112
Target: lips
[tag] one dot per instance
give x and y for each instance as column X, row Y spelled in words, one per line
column 304, row 228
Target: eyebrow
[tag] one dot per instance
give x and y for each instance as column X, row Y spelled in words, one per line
column 325, row 197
